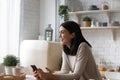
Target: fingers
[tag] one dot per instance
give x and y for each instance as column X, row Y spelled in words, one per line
column 50, row 71
column 39, row 74
column 35, row 74
column 40, row 71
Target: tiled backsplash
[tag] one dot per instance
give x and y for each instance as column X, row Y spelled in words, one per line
column 113, row 4
column 103, row 46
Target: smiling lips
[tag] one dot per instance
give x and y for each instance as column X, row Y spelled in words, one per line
column 61, row 39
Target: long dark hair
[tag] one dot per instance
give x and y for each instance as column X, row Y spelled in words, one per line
column 73, row 27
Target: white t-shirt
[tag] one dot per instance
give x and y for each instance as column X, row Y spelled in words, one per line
column 72, row 61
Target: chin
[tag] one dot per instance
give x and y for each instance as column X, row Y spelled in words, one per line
column 62, row 42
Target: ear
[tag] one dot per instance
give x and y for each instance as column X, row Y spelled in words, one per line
column 73, row 35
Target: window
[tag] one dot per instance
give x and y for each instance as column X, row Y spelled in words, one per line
column 9, row 27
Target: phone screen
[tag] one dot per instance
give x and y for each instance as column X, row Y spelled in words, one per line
column 34, row 67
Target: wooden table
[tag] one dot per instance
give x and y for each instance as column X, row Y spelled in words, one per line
column 21, row 76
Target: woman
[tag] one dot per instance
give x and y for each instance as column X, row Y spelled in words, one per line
column 78, row 62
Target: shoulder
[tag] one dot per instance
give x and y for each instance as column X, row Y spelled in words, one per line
column 83, row 49
column 84, row 45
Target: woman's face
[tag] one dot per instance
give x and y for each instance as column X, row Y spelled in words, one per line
column 65, row 36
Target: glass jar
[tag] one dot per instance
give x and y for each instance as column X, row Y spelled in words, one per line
column 105, row 5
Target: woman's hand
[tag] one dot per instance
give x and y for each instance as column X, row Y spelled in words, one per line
column 41, row 75
column 36, row 74
column 45, row 75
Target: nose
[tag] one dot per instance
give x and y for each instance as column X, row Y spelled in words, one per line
column 59, row 35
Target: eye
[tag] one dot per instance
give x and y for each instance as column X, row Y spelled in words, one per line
column 61, row 32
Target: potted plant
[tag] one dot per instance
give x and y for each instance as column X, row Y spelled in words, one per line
column 86, row 21
column 10, row 61
column 63, row 12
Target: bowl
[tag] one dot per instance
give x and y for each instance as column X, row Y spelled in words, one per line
column 93, row 7
column 112, row 75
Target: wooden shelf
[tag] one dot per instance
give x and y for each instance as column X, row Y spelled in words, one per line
column 91, row 28
column 94, row 11
column 107, row 12
column 103, row 28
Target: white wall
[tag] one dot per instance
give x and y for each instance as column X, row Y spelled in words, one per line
column 30, row 19
column 47, row 15
column 36, row 15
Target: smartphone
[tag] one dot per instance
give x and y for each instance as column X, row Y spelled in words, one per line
column 33, row 67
